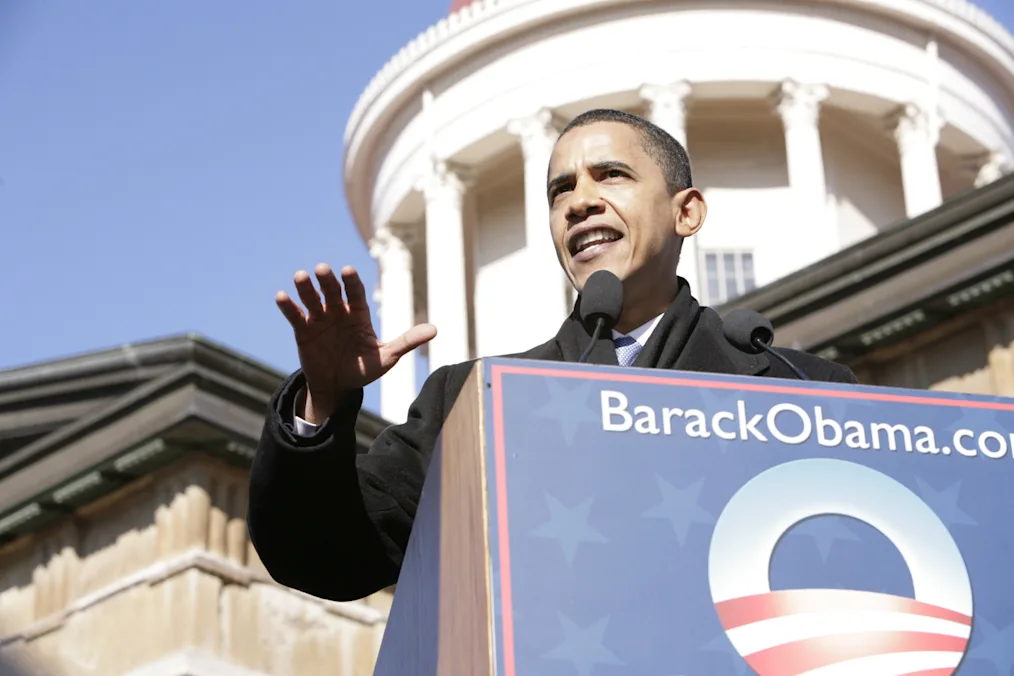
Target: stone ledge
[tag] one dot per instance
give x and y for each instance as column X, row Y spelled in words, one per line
column 192, row 663
column 194, row 559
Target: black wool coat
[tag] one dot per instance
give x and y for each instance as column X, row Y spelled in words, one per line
column 335, row 523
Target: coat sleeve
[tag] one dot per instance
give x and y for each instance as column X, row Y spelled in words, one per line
column 332, row 522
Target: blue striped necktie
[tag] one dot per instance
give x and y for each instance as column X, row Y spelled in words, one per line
column 627, row 350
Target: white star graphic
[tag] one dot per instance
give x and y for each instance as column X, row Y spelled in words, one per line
column 680, row 507
column 568, row 526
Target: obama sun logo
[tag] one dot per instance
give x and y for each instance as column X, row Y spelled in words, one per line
column 827, row 632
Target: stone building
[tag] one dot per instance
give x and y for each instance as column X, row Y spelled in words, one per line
column 927, row 304
column 123, row 543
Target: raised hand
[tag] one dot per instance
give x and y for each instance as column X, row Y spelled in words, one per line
column 338, row 348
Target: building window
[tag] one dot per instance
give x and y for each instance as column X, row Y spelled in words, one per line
column 727, row 274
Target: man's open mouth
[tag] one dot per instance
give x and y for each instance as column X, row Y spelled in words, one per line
column 588, row 244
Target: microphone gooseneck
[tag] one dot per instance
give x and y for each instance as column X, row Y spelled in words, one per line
column 600, row 324
column 600, row 306
column 752, row 332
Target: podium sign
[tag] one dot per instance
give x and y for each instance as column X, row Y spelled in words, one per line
column 670, row 523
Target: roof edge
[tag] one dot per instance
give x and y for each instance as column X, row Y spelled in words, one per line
column 822, row 283
column 180, row 348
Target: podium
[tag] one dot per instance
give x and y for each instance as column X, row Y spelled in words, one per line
column 592, row 520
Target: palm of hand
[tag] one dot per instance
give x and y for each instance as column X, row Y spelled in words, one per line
column 338, row 348
column 339, row 352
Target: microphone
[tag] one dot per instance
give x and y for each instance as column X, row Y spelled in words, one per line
column 752, row 332
column 601, row 304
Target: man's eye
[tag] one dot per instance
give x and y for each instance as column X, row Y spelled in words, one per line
column 615, row 173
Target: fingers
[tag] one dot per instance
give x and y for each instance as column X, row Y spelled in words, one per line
column 331, row 290
column 292, row 312
column 308, row 293
column 410, row 340
column 354, row 289
column 330, row 287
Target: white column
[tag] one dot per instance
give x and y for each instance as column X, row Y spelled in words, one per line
column 667, row 108
column 446, row 298
column 392, row 251
column 545, row 281
column 798, row 105
column 917, row 133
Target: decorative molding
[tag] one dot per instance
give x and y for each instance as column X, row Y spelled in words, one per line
column 378, row 175
column 669, row 107
column 445, row 179
column 194, row 559
column 20, row 517
column 914, row 124
column 799, row 104
column 992, row 167
column 485, row 10
column 192, row 663
column 538, row 132
column 245, row 451
column 392, row 239
column 668, row 98
column 129, row 462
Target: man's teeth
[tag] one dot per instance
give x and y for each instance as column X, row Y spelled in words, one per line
column 593, row 237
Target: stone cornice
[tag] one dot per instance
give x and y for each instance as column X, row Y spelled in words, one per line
column 195, row 559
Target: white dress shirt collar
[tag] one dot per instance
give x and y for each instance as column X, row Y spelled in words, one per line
column 642, row 333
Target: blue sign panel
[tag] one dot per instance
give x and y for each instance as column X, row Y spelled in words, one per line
column 683, row 524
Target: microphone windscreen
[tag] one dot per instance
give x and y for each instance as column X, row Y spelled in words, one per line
column 742, row 326
column 601, row 298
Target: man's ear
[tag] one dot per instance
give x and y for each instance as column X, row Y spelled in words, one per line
column 689, row 211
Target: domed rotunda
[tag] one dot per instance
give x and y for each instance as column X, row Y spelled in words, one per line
column 811, row 125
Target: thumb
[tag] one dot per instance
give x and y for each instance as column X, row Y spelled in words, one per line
column 408, row 341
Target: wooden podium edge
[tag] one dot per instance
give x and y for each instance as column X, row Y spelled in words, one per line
column 465, row 638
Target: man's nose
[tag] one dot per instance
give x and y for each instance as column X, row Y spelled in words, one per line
column 585, row 201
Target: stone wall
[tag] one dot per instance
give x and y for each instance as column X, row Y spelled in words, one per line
column 160, row 579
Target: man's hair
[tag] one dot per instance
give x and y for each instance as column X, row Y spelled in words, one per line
column 668, row 153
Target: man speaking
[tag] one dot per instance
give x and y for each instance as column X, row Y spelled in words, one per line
column 334, row 523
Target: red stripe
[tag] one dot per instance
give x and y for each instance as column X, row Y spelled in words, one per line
column 749, row 609
column 625, row 376
column 946, row 671
column 507, row 616
column 813, row 653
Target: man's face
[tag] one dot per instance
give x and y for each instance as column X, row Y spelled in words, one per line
column 609, row 206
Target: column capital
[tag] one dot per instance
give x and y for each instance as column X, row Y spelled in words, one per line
column 667, row 105
column 538, row 131
column 914, row 123
column 670, row 96
column 991, row 167
column 443, row 178
column 799, row 104
column 392, row 239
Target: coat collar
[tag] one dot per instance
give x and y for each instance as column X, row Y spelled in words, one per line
column 687, row 338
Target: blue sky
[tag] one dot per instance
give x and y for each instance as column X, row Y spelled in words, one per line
column 167, row 166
